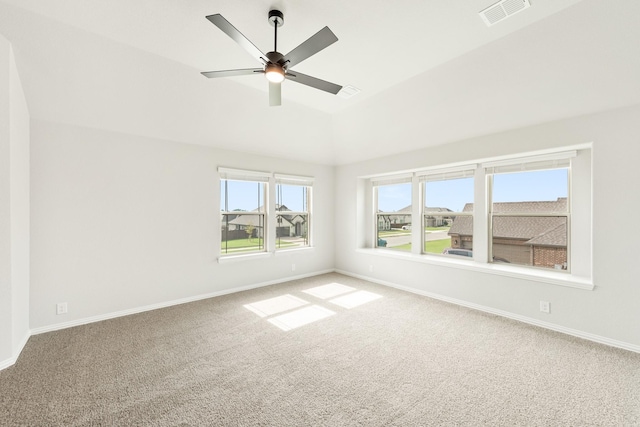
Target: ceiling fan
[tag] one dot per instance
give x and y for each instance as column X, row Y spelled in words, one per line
column 276, row 66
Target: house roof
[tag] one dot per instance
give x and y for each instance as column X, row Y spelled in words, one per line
column 407, row 210
column 544, row 231
column 254, row 219
column 554, row 237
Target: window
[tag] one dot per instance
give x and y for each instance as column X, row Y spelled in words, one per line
column 393, row 213
column 293, row 208
column 448, row 212
column 526, row 216
column 529, row 213
column 243, row 211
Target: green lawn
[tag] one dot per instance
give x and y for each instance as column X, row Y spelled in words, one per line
column 436, row 246
column 243, row 243
column 248, row 245
column 432, row 247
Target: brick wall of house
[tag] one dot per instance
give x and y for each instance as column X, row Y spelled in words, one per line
column 549, row 257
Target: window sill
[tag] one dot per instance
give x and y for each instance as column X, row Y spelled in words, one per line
column 550, row 277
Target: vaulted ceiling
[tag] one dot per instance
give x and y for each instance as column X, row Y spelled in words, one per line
column 430, row 72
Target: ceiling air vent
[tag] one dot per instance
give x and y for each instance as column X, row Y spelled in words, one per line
column 502, row 10
column 348, row 91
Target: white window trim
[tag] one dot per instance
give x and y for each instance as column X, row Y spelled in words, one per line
column 579, row 277
column 561, row 160
column 403, row 178
column 302, row 181
column 444, row 174
column 271, row 180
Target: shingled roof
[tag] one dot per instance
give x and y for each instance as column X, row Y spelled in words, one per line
column 542, row 231
column 407, row 209
column 254, row 219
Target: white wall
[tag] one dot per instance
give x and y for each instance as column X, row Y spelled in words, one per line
column 14, row 210
column 121, row 222
column 20, row 218
column 610, row 311
column 6, row 340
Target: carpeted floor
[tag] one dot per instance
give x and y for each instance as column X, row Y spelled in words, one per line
column 376, row 357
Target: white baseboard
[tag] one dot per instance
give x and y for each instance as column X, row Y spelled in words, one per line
column 552, row 326
column 14, row 357
column 106, row 316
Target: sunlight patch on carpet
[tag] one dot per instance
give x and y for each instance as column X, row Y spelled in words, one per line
column 329, row 291
column 301, row 317
column 355, row 299
column 275, row 305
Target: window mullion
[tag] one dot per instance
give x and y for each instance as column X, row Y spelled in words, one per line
column 270, row 203
column 416, row 207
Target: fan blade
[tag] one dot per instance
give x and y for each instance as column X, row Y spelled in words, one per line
column 237, row 36
column 275, row 94
column 231, row 73
column 313, row 82
column 311, row 46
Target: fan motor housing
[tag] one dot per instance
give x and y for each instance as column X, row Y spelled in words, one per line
column 275, row 57
column 276, row 18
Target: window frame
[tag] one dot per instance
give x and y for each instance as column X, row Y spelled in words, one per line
column 382, row 181
column 262, row 180
column 555, row 161
column 580, row 247
column 301, row 181
column 269, row 213
column 443, row 174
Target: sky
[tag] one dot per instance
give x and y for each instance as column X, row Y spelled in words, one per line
column 545, row 185
column 248, row 196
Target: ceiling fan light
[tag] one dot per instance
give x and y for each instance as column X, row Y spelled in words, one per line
column 274, row 73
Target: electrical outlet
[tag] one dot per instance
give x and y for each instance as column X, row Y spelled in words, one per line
column 293, row 267
column 545, row 307
column 61, row 308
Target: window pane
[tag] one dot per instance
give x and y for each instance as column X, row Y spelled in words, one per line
column 292, row 231
column 451, row 194
column 453, row 240
column 445, row 233
column 539, row 241
column 394, row 225
column 544, row 191
column 241, row 196
column 292, row 197
column 243, row 216
column 242, row 233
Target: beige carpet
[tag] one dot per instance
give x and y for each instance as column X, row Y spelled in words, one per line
column 396, row 359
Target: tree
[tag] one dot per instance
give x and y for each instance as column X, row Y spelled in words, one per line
column 249, row 231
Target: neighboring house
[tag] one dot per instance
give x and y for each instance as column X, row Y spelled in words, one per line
column 384, row 222
column 288, row 225
column 437, row 221
column 537, row 241
column 403, row 217
column 239, row 225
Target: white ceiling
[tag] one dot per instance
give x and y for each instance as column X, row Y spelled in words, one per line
column 430, row 71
